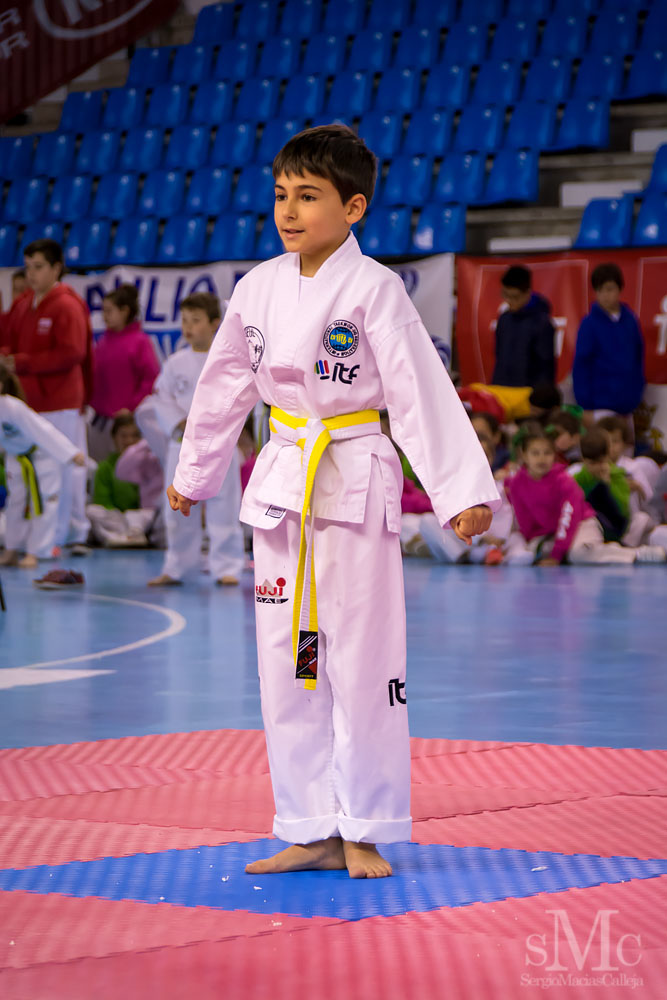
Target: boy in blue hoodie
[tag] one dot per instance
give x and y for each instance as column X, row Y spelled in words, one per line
column 608, row 372
column 524, row 334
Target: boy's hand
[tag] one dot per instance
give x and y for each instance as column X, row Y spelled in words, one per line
column 79, row 458
column 636, row 487
column 178, row 502
column 473, row 521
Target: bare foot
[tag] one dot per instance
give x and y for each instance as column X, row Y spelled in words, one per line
column 323, row 855
column 28, row 562
column 228, row 581
column 164, row 581
column 364, row 861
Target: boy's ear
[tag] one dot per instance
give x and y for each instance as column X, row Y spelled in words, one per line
column 355, row 208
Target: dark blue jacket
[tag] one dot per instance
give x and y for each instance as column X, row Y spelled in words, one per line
column 608, row 372
column 525, row 345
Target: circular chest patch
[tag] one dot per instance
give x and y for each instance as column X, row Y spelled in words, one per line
column 341, row 339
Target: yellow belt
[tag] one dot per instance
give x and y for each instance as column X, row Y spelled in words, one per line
column 33, row 504
column 313, row 443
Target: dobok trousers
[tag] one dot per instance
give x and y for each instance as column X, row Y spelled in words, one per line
column 34, row 535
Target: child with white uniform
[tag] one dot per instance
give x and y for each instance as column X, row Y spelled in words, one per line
column 329, row 337
column 172, row 399
column 35, row 455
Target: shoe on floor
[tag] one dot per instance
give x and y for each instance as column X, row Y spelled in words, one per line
column 163, row 580
column 58, row 579
column 227, row 581
column 650, row 554
column 28, row 562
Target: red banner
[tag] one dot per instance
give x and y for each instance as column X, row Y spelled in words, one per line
column 47, row 43
column 564, row 279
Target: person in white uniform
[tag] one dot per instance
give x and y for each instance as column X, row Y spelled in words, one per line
column 329, row 337
column 172, row 398
column 36, row 454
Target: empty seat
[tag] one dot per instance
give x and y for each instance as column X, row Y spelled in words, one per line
column 183, row 240
column 480, row 128
column 234, row 144
column 279, row 58
column 26, row 199
column 537, row 9
column 210, row 191
column 345, row 17
column 548, row 79
column 54, row 154
column 257, row 100
column 371, row 50
column 16, row 155
column 417, row 48
column 98, row 152
column 254, row 190
column 162, row 194
column 233, row 238
column 655, row 26
column 515, row 38
column 303, row 97
column 124, row 108
column 150, row 66
column 585, row 124
column 564, row 35
column 70, row 198
column 497, row 83
column 398, row 90
column 408, row 181
column 440, row 229
column 276, row 133
column 447, row 86
column 580, row 8
column 599, row 76
column 9, row 251
column 192, row 63
column 301, row 18
column 460, row 179
column 82, row 110
column 531, row 126
column 257, row 19
column 387, row 232
column 513, row 177
column 429, row 133
column 466, row 44
column 236, row 60
column 142, row 150
column 116, row 196
column 215, row 23
column 42, row 231
column 658, row 181
column 437, row 15
column 135, row 242
column 606, row 222
column 483, row 11
column 382, row 132
column 350, row 94
column 614, row 31
column 188, row 147
column 213, row 103
column 87, row 244
column 651, row 225
column 168, row 105
column 324, row 54
column 389, row 15
column 269, row 243
column 648, row 73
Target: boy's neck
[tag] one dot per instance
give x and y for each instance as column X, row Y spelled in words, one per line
column 311, row 263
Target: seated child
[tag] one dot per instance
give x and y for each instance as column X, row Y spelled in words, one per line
column 643, row 472
column 116, row 517
column 566, row 432
column 487, row 427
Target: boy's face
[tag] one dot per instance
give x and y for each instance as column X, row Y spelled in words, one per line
column 19, row 286
column 198, row 329
column 310, row 216
column 125, row 436
column 565, row 440
column 538, row 458
column 598, row 467
column 515, row 298
column 616, row 445
column 609, row 296
column 40, row 275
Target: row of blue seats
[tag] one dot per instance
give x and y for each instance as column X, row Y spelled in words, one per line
column 417, row 48
column 609, row 222
column 409, row 181
column 256, row 19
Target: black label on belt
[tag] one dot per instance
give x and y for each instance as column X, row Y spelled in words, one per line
column 306, row 657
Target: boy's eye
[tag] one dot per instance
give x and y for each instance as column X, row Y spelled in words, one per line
column 308, row 197
column 280, row 197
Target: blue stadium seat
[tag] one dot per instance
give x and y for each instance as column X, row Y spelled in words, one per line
column 515, row 39
column 345, row 17
column 55, row 154
column 429, row 133
column 447, row 86
column 417, row 48
column 82, row 111
column 648, row 73
column 279, row 58
column 461, row 178
column 466, row 44
column 324, row 54
column 43, row 231
column 213, row 103
column 233, row 238
column 350, row 94
column 382, row 132
column 210, row 191
column 168, row 105
column 116, row 196
column 236, row 60
column 214, row 24
column 192, row 63
column 70, row 198
column 408, row 181
column 437, row 15
column 162, row 194
column 9, row 251
column 658, row 181
column 142, row 150
column 483, row 11
column 276, row 133
column 531, row 126
column 183, row 240
column 634, row 5
column 87, row 244
column 513, row 177
column 257, row 100
column 303, row 97
column 651, row 225
column 548, row 79
column 579, row 8
column 614, row 31
column 150, row 66
column 26, row 199
column 257, row 19
column 599, row 76
column 564, row 35
column 480, row 128
column 524, row 9
column 398, row 90
column 124, row 108
column 440, row 229
column 301, row 18
column 188, row 147
column 255, row 190
column 16, row 156
column 655, row 27
column 234, row 144
column 269, row 243
column 371, row 50
column 585, row 124
column 389, row 15
column 497, row 83
column 387, row 232
column 606, row 222
column 98, row 152
column 135, row 242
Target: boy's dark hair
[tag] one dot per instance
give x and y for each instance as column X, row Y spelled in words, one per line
column 124, row 420
column 334, row 152
column 611, row 424
column 10, row 384
column 607, row 272
column 491, row 421
column 126, row 297
column 207, row 301
column 546, row 396
column 51, row 250
column 595, row 445
column 519, row 277
column 567, row 422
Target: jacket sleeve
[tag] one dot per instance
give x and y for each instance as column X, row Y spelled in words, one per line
column 522, row 511
column 43, row 433
column 545, row 366
column 224, row 396
column 68, row 340
column 639, row 372
column 167, row 409
column 570, row 516
column 103, row 486
column 146, row 370
column 582, row 369
column 428, row 420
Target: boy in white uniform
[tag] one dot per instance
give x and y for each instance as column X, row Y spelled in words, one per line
column 172, row 398
column 328, row 337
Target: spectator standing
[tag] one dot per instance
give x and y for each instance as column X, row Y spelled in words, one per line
column 524, row 334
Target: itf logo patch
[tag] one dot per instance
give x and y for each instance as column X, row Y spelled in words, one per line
column 256, row 346
column 266, row 593
column 341, row 339
column 336, row 372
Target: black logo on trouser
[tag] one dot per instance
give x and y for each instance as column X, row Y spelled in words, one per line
column 396, row 692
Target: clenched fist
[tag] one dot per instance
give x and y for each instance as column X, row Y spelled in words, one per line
column 178, row 502
column 473, row 521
